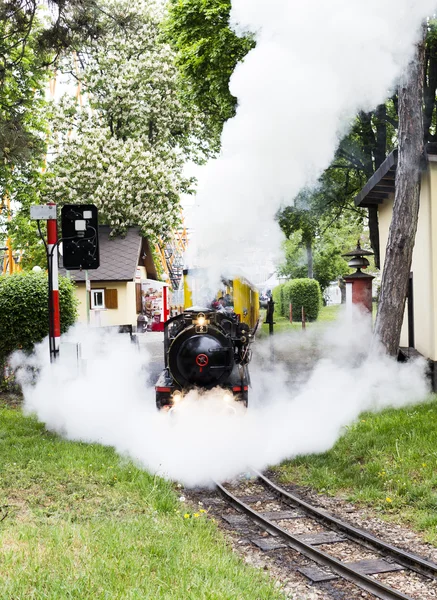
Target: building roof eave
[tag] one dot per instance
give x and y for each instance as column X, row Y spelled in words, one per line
column 380, row 185
column 383, row 181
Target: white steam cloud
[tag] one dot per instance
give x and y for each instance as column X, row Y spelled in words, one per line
column 315, row 65
column 298, row 404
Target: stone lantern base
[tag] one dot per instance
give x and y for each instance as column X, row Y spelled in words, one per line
column 361, row 285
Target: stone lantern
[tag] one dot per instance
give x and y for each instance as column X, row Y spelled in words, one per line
column 359, row 284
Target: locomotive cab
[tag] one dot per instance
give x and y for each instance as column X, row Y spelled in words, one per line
column 204, row 348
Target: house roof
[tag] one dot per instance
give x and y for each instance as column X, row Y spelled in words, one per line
column 119, row 257
column 382, row 182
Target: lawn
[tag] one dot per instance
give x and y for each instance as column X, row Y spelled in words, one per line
column 282, row 324
column 77, row 521
column 387, row 461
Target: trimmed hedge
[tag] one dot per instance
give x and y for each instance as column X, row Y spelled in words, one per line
column 304, row 293
column 24, row 310
column 278, row 296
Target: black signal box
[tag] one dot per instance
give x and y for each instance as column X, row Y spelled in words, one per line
column 80, row 237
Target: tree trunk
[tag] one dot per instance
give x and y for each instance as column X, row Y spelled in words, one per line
column 403, row 226
column 342, row 286
column 309, row 248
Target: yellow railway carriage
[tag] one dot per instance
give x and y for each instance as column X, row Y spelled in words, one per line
column 238, row 294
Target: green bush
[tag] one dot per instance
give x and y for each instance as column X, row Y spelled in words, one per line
column 304, row 293
column 24, row 310
column 278, row 299
column 287, row 295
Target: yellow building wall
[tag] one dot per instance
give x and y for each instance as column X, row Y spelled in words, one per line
column 423, row 265
column 125, row 314
column 432, row 307
column 141, row 273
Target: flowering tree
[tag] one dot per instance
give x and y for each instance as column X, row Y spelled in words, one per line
column 125, row 150
column 208, row 51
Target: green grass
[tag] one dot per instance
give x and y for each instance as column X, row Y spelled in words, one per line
column 80, row 522
column 282, row 324
column 387, row 461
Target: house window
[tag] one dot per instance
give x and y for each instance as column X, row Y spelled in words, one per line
column 98, row 298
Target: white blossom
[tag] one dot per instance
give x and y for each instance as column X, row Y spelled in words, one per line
column 125, row 150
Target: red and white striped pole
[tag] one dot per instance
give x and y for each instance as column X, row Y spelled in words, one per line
column 54, row 313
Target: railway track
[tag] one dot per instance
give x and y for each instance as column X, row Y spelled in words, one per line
column 285, row 508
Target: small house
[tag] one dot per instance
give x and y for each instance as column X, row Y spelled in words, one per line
column 114, row 293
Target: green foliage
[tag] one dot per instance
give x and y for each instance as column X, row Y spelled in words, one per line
column 330, row 236
column 298, row 292
column 24, row 234
column 278, row 299
column 328, row 262
column 304, row 219
column 304, row 293
column 29, row 44
column 22, row 84
column 207, row 54
column 327, row 255
column 24, row 310
column 23, row 124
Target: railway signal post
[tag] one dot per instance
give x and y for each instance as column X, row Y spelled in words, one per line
column 81, row 251
column 52, row 262
column 47, row 212
column 270, row 315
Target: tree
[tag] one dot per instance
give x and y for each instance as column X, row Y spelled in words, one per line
column 320, row 226
column 23, row 126
column 207, row 54
column 199, row 29
column 403, row 226
column 125, row 151
column 29, row 43
column 30, row 40
column 303, row 221
column 362, row 152
column 330, row 241
column 375, row 134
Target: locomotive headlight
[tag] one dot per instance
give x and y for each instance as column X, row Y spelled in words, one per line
column 177, row 397
column 201, row 321
column 227, row 397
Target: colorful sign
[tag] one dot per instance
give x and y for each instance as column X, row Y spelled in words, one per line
column 154, row 298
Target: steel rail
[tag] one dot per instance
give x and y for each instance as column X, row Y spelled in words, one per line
column 364, row 582
column 408, row 559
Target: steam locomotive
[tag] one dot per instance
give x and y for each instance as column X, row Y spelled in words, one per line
column 210, row 347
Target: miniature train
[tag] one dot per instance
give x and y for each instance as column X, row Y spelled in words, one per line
column 210, row 347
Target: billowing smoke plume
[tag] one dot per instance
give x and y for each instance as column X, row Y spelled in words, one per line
column 299, row 403
column 315, row 65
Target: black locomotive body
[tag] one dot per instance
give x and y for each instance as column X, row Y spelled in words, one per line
column 204, row 348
